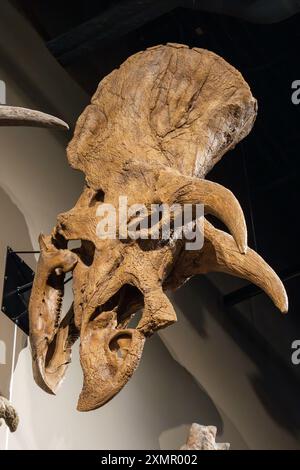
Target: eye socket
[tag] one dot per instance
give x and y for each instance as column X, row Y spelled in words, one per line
column 98, row 197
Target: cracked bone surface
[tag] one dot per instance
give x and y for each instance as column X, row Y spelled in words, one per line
column 153, row 130
column 203, row 438
column 8, row 414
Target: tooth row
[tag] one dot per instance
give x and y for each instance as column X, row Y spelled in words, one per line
column 58, row 309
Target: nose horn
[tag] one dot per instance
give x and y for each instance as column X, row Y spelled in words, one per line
column 15, row 116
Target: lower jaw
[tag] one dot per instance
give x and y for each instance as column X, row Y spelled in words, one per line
column 106, row 374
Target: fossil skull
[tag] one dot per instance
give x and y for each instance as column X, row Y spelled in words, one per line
column 153, row 130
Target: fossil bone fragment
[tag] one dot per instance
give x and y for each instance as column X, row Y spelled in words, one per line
column 8, row 414
column 203, row 438
column 15, row 116
column 154, row 129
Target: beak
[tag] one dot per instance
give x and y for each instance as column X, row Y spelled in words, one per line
column 15, row 116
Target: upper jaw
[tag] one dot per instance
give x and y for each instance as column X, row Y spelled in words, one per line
column 49, row 337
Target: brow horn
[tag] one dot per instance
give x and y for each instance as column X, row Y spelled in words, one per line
column 15, row 116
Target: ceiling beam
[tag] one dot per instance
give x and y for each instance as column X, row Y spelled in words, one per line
column 113, row 23
column 128, row 15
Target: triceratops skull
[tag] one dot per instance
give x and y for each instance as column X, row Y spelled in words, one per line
column 153, row 130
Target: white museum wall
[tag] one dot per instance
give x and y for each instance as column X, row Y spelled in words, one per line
column 193, row 371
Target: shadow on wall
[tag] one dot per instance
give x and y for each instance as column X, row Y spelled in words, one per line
column 178, row 397
column 276, row 388
column 14, row 233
